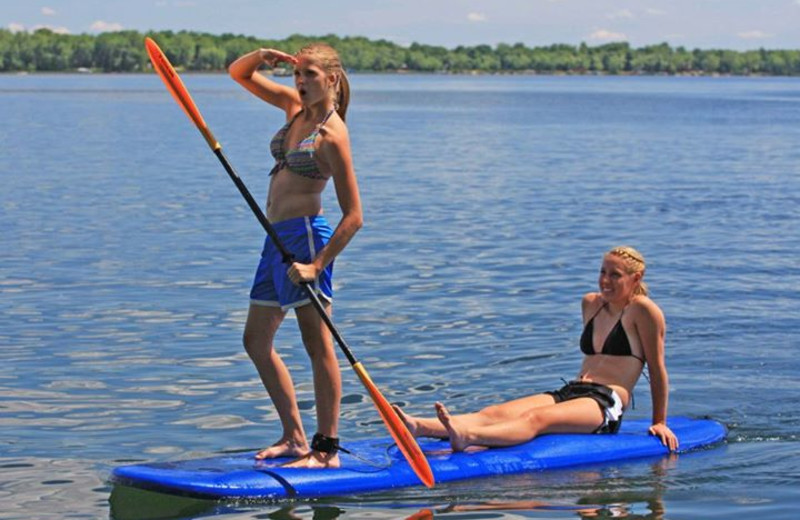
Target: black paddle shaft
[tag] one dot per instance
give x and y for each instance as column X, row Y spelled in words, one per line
column 287, row 257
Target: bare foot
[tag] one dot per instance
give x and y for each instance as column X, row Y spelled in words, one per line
column 458, row 439
column 421, row 426
column 283, row 448
column 410, row 421
column 315, row 460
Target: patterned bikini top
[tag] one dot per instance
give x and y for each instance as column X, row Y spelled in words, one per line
column 300, row 159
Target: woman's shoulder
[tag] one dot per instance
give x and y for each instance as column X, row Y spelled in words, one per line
column 334, row 136
column 333, row 128
column 592, row 297
column 646, row 308
column 591, row 301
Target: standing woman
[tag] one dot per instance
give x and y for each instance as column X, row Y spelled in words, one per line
column 312, row 147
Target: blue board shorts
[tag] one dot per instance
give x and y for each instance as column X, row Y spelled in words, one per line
column 303, row 237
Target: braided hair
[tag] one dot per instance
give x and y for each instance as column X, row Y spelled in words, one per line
column 634, row 262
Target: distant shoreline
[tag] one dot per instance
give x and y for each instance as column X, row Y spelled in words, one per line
column 413, row 73
column 123, row 51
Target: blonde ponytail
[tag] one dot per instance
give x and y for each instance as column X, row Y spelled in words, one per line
column 343, row 95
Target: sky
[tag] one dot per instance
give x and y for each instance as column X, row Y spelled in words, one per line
column 704, row 24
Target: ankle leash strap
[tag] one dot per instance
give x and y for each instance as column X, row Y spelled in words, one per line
column 326, row 444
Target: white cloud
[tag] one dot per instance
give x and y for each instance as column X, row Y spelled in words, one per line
column 57, row 30
column 754, row 35
column 606, row 35
column 18, row 27
column 103, row 26
column 660, row 12
column 476, row 17
column 622, row 13
column 48, row 11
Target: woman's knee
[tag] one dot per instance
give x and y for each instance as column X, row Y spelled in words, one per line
column 259, row 331
column 316, row 337
column 534, row 419
column 257, row 344
column 493, row 412
column 252, row 345
column 320, row 352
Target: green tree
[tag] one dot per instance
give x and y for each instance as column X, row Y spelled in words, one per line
column 44, row 50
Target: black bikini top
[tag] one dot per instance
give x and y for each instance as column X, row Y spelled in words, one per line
column 616, row 343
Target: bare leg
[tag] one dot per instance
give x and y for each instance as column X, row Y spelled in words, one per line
column 433, row 427
column 259, row 333
column 327, row 382
column 421, row 426
column 456, row 431
column 576, row 416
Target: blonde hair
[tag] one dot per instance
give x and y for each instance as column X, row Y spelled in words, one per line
column 328, row 59
column 634, row 262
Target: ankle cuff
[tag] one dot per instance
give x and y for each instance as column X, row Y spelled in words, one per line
column 325, row 444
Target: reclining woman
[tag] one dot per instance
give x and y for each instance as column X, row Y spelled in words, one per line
column 623, row 332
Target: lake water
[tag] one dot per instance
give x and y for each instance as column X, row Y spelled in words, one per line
column 126, row 256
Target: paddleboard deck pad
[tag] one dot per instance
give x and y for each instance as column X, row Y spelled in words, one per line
column 378, row 465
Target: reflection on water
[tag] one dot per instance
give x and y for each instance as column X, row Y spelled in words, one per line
column 48, row 488
column 135, row 504
column 644, row 503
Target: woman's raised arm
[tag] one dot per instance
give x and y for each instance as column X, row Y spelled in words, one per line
column 245, row 72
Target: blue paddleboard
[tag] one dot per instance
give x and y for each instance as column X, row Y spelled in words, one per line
column 241, row 476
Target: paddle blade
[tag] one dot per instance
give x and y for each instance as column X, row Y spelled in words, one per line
column 176, row 87
column 405, row 441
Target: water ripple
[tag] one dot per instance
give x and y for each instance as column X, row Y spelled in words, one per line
column 488, row 201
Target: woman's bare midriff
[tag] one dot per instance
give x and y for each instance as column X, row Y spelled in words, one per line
column 617, row 372
column 292, row 195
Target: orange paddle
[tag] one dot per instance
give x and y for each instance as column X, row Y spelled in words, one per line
column 405, row 441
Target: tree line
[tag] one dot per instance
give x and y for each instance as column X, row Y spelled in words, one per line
column 123, row 51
